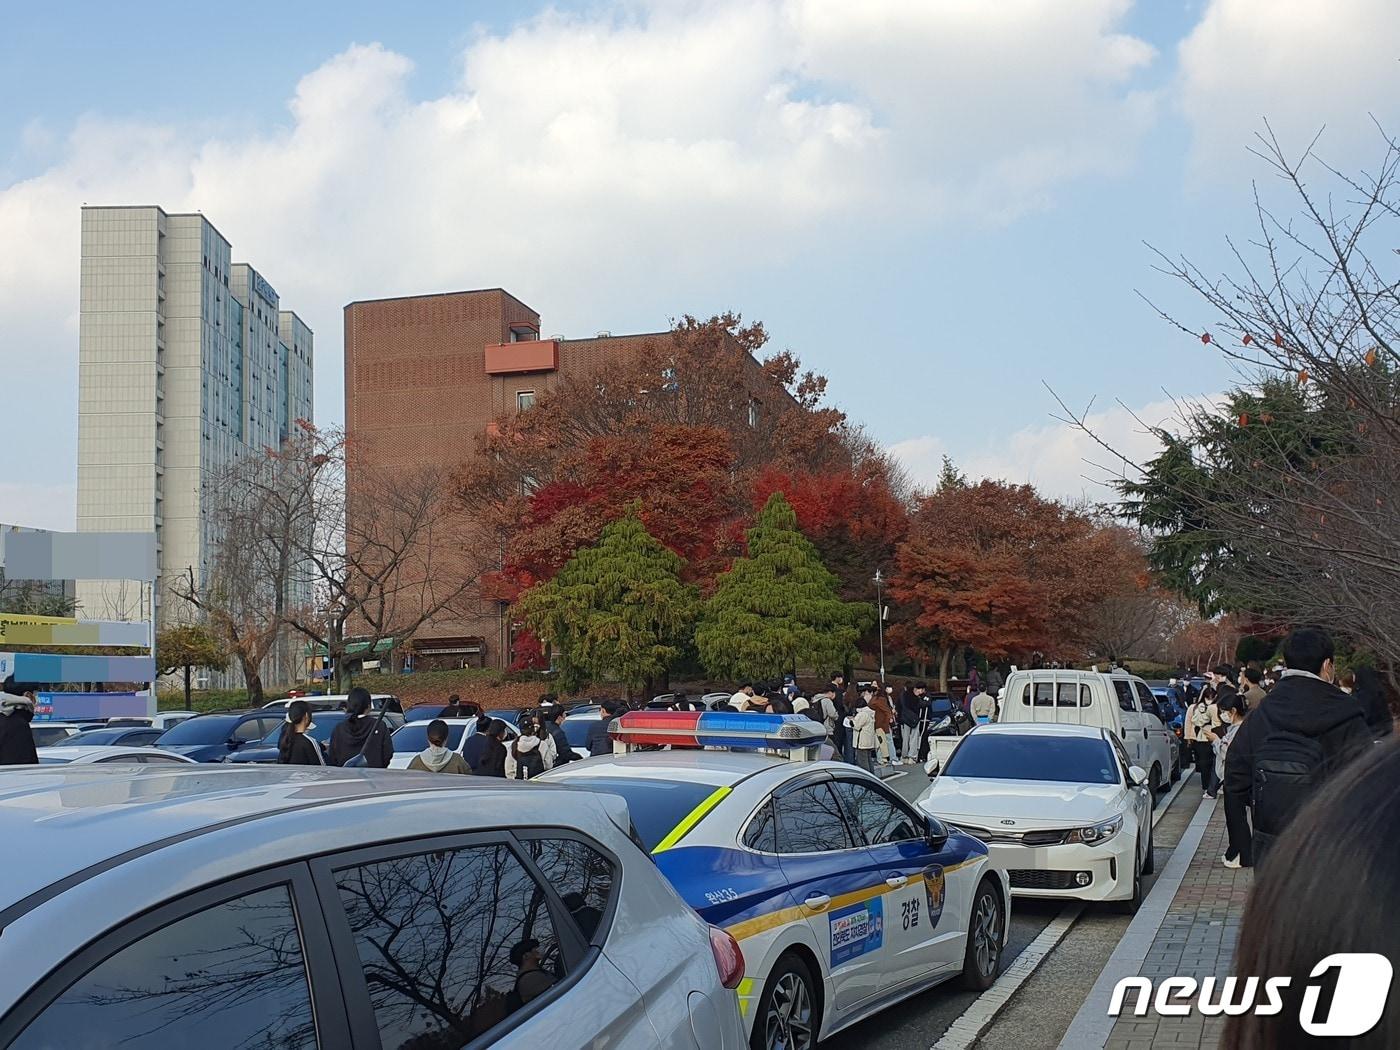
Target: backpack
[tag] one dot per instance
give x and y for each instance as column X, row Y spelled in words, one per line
column 1288, row 768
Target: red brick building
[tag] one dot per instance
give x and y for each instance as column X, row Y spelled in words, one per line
column 424, row 378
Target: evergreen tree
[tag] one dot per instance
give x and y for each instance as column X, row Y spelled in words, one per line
column 617, row 610
column 778, row 609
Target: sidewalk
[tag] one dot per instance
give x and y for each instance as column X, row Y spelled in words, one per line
column 1196, row 938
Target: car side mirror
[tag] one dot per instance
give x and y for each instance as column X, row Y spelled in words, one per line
column 932, row 767
column 1138, row 774
column 936, row 833
column 234, row 743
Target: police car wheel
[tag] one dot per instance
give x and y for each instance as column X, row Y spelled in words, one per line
column 787, row 1013
column 984, row 930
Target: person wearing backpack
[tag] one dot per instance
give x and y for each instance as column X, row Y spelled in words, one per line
column 1202, row 719
column 1295, row 742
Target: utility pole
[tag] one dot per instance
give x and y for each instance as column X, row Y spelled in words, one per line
column 880, row 618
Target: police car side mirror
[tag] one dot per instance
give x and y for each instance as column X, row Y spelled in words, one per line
column 936, row 833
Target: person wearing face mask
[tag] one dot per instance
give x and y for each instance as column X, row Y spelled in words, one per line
column 1237, row 853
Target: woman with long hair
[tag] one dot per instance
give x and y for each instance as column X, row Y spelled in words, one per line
column 294, row 746
column 1332, row 895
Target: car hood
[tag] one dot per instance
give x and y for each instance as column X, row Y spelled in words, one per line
column 1025, row 803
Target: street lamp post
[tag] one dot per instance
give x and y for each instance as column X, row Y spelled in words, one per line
column 880, row 618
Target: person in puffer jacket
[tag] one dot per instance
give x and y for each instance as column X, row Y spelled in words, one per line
column 529, row 761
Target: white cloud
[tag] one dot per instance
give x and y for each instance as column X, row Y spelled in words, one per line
column 1299, row 63
column 628, row 153
column 1061, row 461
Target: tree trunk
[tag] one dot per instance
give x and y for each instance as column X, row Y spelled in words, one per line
column 187, row 687
column 253, row 678
column 945, row 657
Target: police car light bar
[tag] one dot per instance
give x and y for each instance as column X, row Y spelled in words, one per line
column 728, row 729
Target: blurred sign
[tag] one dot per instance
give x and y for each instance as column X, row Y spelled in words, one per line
column 80, row 556
column 62, row 630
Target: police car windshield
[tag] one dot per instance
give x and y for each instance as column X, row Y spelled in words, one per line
column 1006, row 756
column 414, row 736
column 656, row 806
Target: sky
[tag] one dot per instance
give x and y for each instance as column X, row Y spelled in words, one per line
column 948, row 207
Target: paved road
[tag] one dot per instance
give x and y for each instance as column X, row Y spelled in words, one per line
column 920, row 1022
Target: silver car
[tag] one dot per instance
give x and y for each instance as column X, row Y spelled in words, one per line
column 219, row 907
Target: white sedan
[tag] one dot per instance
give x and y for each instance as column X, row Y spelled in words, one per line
column 412, row 737
column 127, row 756
column 1062, row 810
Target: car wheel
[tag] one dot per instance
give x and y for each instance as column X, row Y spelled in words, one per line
column 787, row 1013
column 1176, row 765
column 1150, row 864
column 1133, row 903
column 984, row 933
column 1154, row 784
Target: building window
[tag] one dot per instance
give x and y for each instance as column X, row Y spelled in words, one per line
column 753, row 413
column 524, row 400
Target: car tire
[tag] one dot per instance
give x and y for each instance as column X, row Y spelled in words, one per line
column 1150, row 864
column 789, row 995
column 1176, row 764
column 985, row 928
column 1154, row 784
column 1133, row 903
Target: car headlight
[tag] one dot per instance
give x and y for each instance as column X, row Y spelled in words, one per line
column 1097, row 834
column 942, row 723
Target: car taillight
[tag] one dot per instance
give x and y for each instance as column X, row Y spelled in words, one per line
column 729, row 957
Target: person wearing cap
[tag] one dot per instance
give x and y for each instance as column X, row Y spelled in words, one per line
column 531, row 981
column 16, row 738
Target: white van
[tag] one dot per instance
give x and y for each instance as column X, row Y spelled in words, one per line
column 1089, row 698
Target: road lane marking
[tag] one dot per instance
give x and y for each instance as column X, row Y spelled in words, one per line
column 1092, row 1025
column 975, row 1020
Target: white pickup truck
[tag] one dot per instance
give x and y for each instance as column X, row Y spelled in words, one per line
column 1112, row 701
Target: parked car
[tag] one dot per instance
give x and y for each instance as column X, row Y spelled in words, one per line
column 170, row 719
column 336, row 702
column 1117, row 701
column 79, row 755
column 356, row 909
column 1062, row 809
column 412, row 737
column 47, row 733
column 323, row 723
column 211, row 737
column 118, row 736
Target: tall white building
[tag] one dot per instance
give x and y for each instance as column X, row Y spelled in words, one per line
column 186, row 360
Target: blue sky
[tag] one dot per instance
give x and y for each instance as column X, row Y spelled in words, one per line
column 941, row 204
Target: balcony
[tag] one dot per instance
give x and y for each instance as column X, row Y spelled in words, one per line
column 530, row 355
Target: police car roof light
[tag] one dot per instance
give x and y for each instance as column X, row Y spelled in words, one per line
column 717, row 729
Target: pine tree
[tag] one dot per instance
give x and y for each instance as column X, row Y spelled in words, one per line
column 777, row 609
column 617, row 610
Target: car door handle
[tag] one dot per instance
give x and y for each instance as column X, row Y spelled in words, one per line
column 896, row 881
column 817, row 902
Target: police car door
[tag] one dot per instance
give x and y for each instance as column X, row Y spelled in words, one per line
column 837, row 886
column 921, row 935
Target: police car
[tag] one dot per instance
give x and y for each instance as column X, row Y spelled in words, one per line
column 842, row 896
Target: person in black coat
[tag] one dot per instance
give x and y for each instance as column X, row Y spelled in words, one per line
column 493, row 751
column 16, row 738
column 362, row 732
column 1304, row 714
column 294, row 747
column 910, row 710
column 599, row 743
column 474, row 750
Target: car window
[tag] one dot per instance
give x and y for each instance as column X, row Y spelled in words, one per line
column 452, row 942
column 1065, row 694
column 580, row 874
column 656, row 806
column 1031, row 756
column 230, row 976
column 876, row 817
column 252, row 729
column 1126, row 700
column 1149, row 701
column 762, row 832
column 1123, row 760
column 810, row 821
column 161, row 760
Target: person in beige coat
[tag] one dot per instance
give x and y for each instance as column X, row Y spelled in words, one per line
column 863, row 732
column 1202, row 720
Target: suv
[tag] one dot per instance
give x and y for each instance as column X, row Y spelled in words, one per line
column 279, row 906
column 213, row 737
